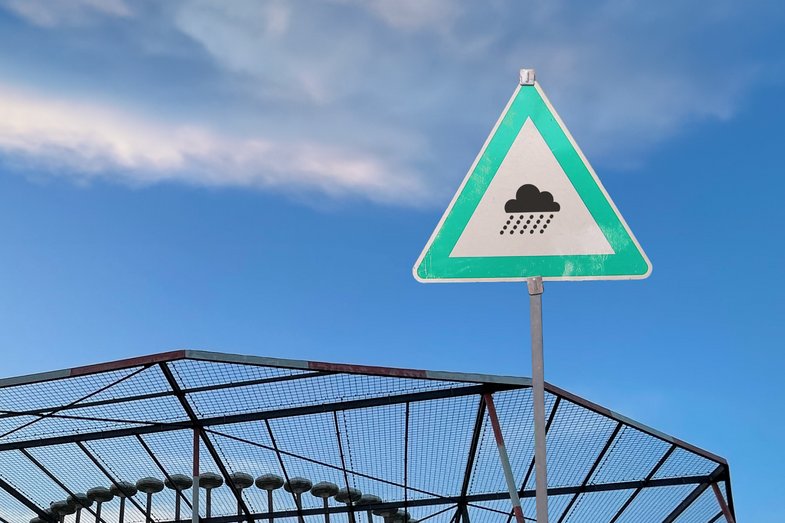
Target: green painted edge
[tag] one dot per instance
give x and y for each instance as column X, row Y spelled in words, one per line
column 628, row 260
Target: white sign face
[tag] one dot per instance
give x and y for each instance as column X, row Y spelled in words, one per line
column 546, row 218
column 531, row 205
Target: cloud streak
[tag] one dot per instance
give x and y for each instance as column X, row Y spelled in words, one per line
column 46, row 13
column 88, row 141
column 383, row 99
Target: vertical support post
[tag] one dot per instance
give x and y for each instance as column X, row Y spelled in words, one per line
column 538, row 397
column 504, row 458
column 724, row 506
column 195, row 495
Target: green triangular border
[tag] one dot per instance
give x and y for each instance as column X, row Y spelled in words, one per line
column 528, row 101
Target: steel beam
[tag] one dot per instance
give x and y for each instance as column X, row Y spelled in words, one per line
column 723, row 505
column 479, row 420
column 505, row 460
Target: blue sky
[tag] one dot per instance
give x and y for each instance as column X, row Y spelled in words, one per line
column 259, row 177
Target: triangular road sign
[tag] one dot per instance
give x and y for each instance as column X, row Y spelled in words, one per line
column 531, row 205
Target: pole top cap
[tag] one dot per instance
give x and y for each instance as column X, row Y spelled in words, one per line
column 527, row 77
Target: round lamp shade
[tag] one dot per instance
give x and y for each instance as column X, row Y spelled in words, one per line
column 344, row 495
column 241, row 480
column 150, row 485
column 80, row 500
column 62, row 508
column 123, row 489
column 298, row 485
column 210, row 480
column 269, row 482
column 100, row 494
column 178, row 482
column 369, row 499
column 324, row 489
column 385, row 512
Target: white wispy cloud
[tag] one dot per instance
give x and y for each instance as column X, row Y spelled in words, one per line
column 374, row 97
column 412, row 14
column 51, row 13
column 622, row 93
column 88, row 141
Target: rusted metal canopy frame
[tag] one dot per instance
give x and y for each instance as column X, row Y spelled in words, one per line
column 503, row 458
column 477, row 384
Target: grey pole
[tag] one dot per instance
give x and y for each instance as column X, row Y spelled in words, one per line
column 538, row 393
column 178, row 483
column 269, row 482
column 195, row 495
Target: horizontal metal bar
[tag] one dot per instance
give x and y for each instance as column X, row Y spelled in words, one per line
column 453, row 500
column 257, row 416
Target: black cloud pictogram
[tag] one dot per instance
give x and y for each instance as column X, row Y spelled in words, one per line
column 528, row 198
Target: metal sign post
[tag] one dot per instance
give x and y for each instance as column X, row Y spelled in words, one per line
column 531, row 208
column 538, row 398
column 195, row 501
